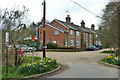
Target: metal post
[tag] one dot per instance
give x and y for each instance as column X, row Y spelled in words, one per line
column 6, row 60
column 44, row 45
column 32, row 54
column 7, row 40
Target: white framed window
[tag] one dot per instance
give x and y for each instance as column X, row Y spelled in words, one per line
column 77, row 43
column 65, row 43
column 86, row 35
column 90, row 43
column 71, row 42
column 90, row 35
column 71, row 32
column 86, row 43
column 54, row 41
column 77, row 33
column 56, row 32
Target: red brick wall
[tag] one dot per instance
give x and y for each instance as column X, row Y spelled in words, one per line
column 50, row 36
column 59, row 25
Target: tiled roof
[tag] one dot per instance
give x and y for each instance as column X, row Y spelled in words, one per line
column 82, row 29
column 92, row 30
column 66, row 25
column 71, row 26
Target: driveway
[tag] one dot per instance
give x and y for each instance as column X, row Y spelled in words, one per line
column 85, row 64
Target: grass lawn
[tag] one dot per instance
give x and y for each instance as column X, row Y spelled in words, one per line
column 13, row 71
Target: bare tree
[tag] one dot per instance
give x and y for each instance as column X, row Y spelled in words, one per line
column 109, row 26
column 14, row 22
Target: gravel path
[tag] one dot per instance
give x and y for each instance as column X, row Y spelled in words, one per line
column 85, row 64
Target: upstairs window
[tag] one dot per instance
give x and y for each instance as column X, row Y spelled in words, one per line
column 77, row 33
column 56, row 32
column 71, row 32
column 90, row 36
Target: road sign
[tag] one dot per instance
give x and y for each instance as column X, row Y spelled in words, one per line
column 33, row 44
column 32, row 38
column 7, row 38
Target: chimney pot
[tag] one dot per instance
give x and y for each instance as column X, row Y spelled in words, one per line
column 93, row 27
column 68, row 19
column 83, row 24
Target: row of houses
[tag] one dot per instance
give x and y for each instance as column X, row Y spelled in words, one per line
column 68, row 34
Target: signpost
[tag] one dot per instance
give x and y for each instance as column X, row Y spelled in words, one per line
column 6, row 41
column 33, row 44
column 32, row 38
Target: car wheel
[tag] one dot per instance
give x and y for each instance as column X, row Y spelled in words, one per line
column 30, row 50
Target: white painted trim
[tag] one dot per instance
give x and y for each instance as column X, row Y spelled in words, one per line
column 52, row 27
column 55, row 28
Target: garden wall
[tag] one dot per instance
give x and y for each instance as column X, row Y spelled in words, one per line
column 77, row 50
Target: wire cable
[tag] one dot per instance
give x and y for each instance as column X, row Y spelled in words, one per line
column 85, row 8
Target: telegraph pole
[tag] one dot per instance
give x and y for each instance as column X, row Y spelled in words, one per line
column 44, row 37
column 118, row 28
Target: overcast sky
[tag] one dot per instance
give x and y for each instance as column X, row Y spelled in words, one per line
column 56, row 9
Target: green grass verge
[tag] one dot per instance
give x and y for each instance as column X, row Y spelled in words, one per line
column 60, row 51
column 0, row 72
column 12, row 70
column 108, row 52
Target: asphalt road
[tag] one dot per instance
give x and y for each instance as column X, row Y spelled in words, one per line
column 85, row 64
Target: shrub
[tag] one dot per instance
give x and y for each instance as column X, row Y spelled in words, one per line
column 51, row 45
column 65, row 47
column 108, row 51
column 43, row 65
column 112, row 60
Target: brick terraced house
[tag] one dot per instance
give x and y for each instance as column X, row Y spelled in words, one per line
column 67, row 34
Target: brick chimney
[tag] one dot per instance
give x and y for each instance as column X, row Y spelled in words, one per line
column 83, row 24
column 68, row 19
column 93, row 27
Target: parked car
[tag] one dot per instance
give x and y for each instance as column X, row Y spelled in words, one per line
column 23, row 48
column 19, row 52
column 91, row 48
column 26, row 48
column 98, row 46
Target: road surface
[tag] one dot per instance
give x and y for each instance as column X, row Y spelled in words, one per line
column 86, row 64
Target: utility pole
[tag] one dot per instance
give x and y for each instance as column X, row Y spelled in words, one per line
column 44, row 37
column 118, row 28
